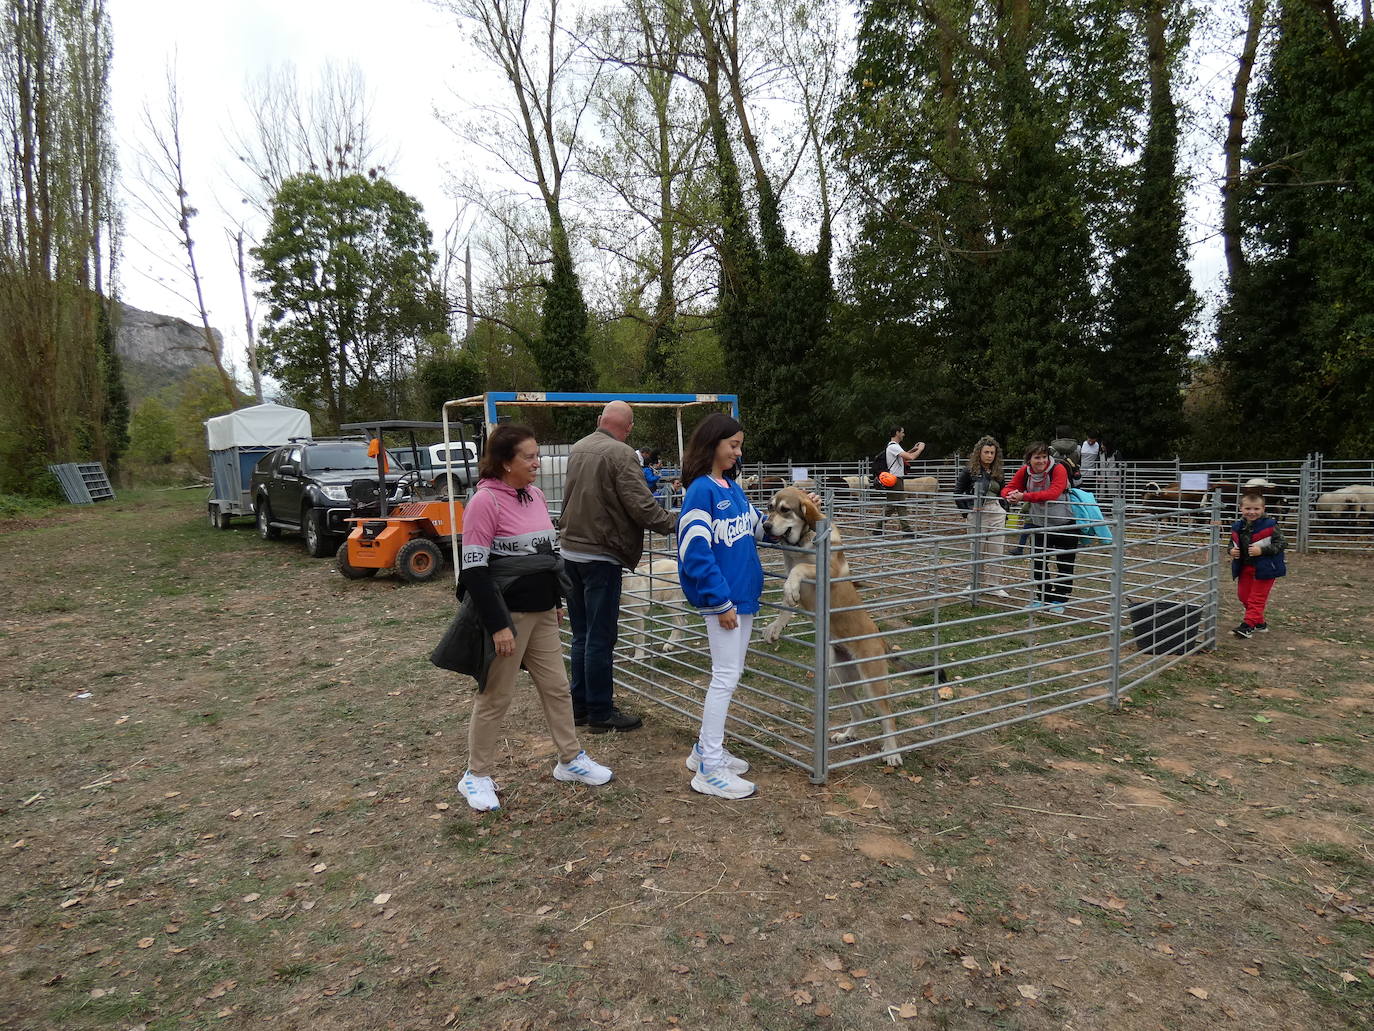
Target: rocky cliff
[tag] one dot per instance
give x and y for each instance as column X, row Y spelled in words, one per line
column 157, row 350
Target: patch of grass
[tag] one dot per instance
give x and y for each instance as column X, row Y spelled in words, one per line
column 294, row 973
column 110, row 1009
column 1344, row 1000
column 1337, row 855
column 1351, row 776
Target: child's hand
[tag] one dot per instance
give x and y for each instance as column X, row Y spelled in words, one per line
column 1235, row 553
column 1255, row 549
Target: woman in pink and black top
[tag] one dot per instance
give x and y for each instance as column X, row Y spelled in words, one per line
column 512, row 572
column 1041, row 483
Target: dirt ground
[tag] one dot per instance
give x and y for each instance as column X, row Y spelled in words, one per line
column 227, row 800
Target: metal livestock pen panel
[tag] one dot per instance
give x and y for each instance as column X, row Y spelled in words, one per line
column 965, row 650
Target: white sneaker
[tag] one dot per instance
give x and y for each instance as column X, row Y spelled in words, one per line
column 479, row 791
column 583, row 770
column 722, row 783
column 1058, row 610
column 733, row 763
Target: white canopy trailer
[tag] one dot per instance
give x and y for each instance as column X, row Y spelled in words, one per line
column 237, row 442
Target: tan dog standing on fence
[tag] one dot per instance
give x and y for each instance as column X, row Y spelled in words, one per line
column 792, row 519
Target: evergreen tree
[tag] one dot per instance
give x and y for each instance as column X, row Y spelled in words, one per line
column 983, row 139
column 1150, row 302
column 1297, row 333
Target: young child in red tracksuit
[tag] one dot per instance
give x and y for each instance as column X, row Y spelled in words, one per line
column 1257, row 547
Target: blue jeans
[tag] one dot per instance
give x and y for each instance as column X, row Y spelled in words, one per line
column 594, row 611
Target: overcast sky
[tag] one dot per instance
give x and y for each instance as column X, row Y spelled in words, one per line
column 412, row 57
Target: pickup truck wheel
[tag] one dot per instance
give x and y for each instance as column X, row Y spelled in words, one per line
column 347, row 569
column 319, row 542
column 263, row 514
column 451, row 487
column 419, row 561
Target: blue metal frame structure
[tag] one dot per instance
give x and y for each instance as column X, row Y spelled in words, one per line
column 492, row 398
column 568, row 399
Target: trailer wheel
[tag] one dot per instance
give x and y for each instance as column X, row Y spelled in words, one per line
column 419, row 561
column 347, row 569
column 262, row 512
column 319, row 543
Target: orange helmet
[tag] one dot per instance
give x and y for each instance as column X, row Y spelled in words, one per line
column 887, row 479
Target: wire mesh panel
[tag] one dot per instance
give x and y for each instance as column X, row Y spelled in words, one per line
column 1339, row 505
column 952, row 628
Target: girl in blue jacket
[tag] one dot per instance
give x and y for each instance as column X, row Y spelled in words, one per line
column 720, row 572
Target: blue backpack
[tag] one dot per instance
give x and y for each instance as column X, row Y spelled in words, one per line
column 1086, row 510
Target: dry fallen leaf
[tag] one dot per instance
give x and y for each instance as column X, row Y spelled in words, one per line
column 252, row 897
column 848, row 938
column 441, row 805
column 1028, row 991
column 319, row 868
column 145, row 943
column 382, row 899
column 832, row 963
column 805, row 858
column 823, row 1010
column 907, row 1010
column 1198, row 993
column 945, row 692
column 589, row 945
column 970, row 963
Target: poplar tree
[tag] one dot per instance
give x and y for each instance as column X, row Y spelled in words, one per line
column 57, row 220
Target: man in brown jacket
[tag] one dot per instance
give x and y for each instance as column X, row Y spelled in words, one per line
column 607, row 507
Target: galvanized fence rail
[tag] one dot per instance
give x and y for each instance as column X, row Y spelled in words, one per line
column 957, row 646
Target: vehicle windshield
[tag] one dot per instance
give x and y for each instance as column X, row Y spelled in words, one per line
column 458, row 452
column 345, row 457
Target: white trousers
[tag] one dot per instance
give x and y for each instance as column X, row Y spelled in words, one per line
column 994, row 521
column 728, row 648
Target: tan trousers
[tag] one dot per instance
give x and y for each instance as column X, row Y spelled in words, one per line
column 539, row 647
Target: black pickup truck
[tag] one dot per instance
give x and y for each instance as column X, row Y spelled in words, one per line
column 308, row 486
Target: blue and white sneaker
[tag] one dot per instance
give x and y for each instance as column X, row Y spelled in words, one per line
column 1035, row 605
column 582, row 770
column 479, row 791
column 733, row 763
column 1058, row 609
column 722, row 783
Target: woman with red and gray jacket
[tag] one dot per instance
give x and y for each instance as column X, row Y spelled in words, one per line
column 1041, row 484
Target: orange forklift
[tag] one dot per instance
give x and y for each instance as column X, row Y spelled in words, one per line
column 411, row 535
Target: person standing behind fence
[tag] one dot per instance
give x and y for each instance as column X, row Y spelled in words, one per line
column 515, row 579
column 896, row 459
column 607, row 507
column 1041, row 483
column 1257, row 548
column 721, row 575
column 979, row 489
column 1090, row 455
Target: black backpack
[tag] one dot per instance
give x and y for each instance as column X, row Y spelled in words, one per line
column 877, row 465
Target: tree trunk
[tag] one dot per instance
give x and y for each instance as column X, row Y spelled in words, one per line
column 248, row 320
column 1235, row 141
